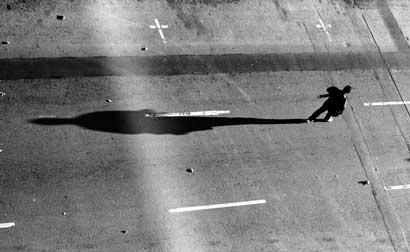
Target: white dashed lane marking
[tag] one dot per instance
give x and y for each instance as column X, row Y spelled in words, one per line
column 206, row 207
column 397, row 187
column 197, row 113
column 385, row 103
column 7, row 225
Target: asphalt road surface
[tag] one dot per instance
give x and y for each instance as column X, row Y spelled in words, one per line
column 181, row 126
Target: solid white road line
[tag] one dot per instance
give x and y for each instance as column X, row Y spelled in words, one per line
column 46, row 116
column 7, row 225
column 398, row 187
column 197, row 113
column 197, row 208
column 386, row 103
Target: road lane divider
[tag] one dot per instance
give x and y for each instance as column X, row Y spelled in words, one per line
column 385, row 103
column 7, row 225
column 224, row 205
column 197, row 113
column 397, row 187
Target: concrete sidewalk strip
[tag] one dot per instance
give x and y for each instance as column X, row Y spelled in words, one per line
column 385, row 103
column 7, row 225
column 397, row 187
column 197, row 113
column 233, row 204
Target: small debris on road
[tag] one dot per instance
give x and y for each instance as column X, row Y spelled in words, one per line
column 1, row 151
column 108, row 100
column 364, row 182
column 60, row 17
column 4, row 42
column 63, row 213
column 8, row 7
column 190, row 170
column 144, row 48
column 124, row 231
column 2, row 94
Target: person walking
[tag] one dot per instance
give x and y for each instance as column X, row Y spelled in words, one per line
column 334, row 105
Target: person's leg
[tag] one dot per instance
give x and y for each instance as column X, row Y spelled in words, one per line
column 328, row 117
column 318, row 112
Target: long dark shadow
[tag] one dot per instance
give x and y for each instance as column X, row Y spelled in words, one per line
column 135, row 122
column 37, row 68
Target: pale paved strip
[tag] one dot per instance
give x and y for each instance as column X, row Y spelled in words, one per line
column 382, row 200
column 7, row 225
column 197, row 208
column 386, row 103
column 196, row 113
column 397, row 187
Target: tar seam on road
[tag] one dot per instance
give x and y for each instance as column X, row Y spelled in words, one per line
column 392, row 25
column 383, row 203
column 224, row 205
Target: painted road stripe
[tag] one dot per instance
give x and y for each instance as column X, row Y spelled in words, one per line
column 398, row 187
column 7, row 225
column 197, row 208
column 197, row 113
column 386, row 103
column 324, row 27
column 47, row 116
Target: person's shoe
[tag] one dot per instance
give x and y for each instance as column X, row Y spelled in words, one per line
column 330, row 119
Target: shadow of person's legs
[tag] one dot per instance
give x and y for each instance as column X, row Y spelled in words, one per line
column 319, row 111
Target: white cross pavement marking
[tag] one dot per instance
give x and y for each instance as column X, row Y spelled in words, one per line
column 398, row 187
column 386, row 103
column 197, row 113
column 159, row 27
column 7, row 225
column 324, row 27
column 197, row 208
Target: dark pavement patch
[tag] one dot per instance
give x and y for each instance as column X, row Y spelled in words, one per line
column 38, row 68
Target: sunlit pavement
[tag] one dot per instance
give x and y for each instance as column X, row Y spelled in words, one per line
column 181, row 126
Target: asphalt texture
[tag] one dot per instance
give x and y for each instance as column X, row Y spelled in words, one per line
column 89, row 162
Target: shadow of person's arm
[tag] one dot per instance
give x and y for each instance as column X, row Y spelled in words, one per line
column 323, row 96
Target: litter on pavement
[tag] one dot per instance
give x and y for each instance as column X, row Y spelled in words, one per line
column 364, row 182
